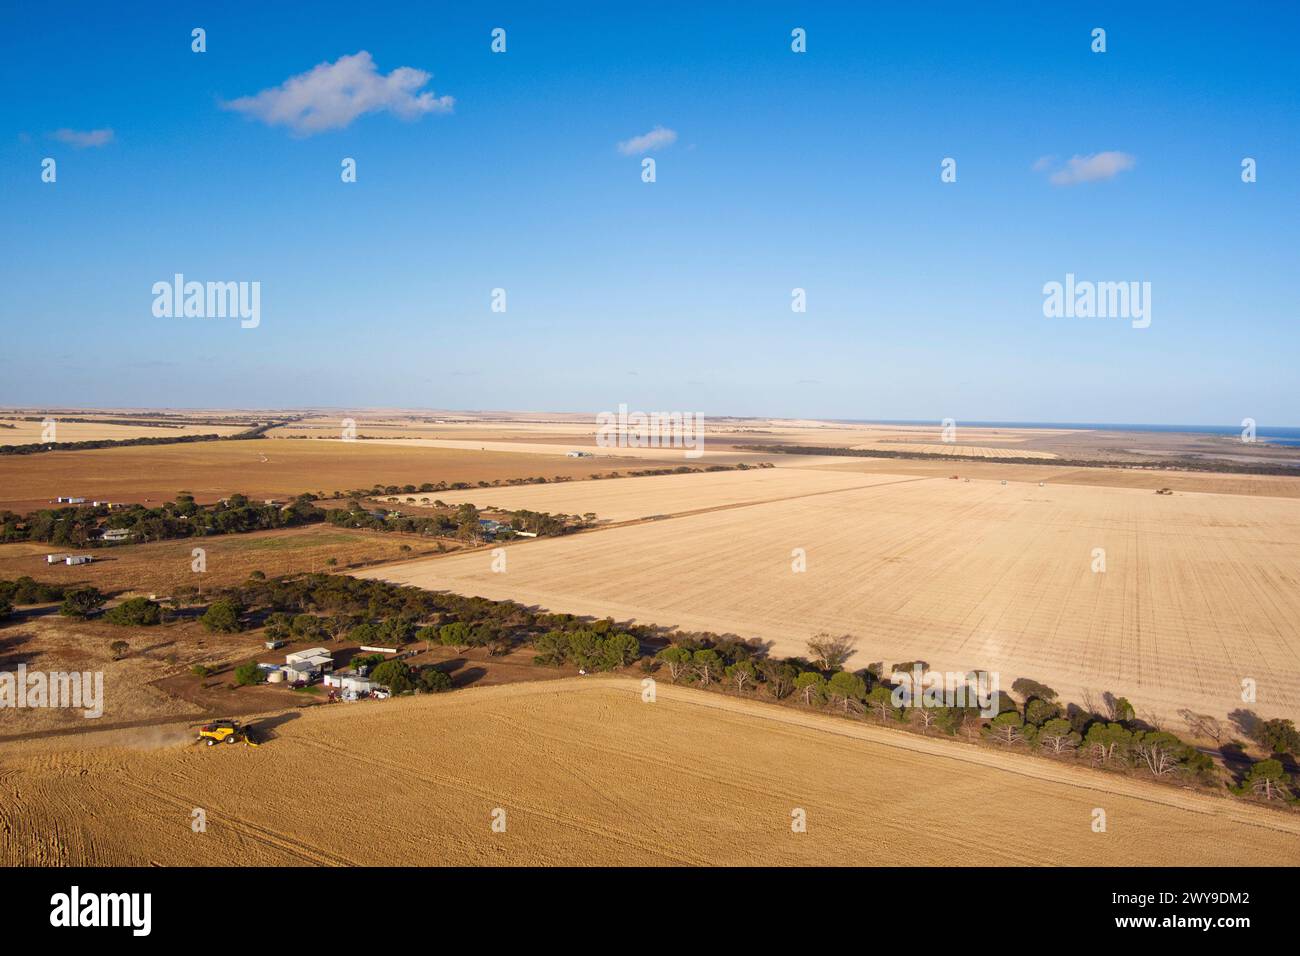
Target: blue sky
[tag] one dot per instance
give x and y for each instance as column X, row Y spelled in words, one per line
column 816, row 170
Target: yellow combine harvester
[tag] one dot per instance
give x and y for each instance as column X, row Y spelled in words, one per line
column 226, row 731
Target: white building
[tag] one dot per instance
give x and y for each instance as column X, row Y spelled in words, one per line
column 78, row 559
column 350, row 683
column 308, row 664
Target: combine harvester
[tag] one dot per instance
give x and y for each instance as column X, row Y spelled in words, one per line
column 226, row 731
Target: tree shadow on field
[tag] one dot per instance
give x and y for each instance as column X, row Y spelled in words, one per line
column 10, row 656
column 1235, row 759
column 264, row 729
column 38, row 610
column 1245, row 721
column 452, row 665
column 468, row 676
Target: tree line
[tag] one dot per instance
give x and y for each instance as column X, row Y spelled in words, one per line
column 82, row 526
column 1164, row 464
column 257, row 431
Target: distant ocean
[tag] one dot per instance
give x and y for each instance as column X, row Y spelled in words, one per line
column 1263, row 434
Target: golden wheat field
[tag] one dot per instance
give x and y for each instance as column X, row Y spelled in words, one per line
column 35, row 432
column 585, row 772
column 1198, row 593
column 632, row 498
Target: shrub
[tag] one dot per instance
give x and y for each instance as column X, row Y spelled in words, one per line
column 136, row 611
column 246, row 674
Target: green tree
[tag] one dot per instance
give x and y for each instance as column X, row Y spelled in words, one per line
column 428, row 634
column 1039, row 711
column 881, row 700
column 1106, row 742
column 1161, row 752
column 779, row 677
column 846, row 688
column 308, row 627
column 246, row 674
column 119, row 649
column 619, row 650
column 433, row 681
column 222, row 616
column 1058, row 736
column 741, row 673
column 1007, row 728
column 1267, row 779
column 1278, row 736
column 1121, row 711
column 707, row 664
column 82, row 602
column 396, row 631
column 395, row 675
column 811, row 686
column 455, row 635
column 678, row 660
column 136, row 612
column 552, row 648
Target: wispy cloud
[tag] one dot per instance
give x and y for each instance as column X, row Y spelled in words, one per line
column 657, row 138
column 1085, row 169
column 83, row 139
column 331, row 95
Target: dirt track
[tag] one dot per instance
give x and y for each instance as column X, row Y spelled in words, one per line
column 587, row 773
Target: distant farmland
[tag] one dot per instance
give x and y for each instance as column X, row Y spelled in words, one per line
column 1200, row 591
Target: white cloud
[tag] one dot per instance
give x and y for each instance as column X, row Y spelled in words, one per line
column 657, row 138
column 331, row 95
column 1087, row 169
column 84, row 138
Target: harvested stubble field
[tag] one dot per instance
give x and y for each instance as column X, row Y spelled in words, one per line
column 632, row 498
column 963, row 451
column 589, row 774
column 161, row 566
column 1200, row 591
column 44, row 641
column 1265, row 486
column 33, row 433
column 260, row 468
column 610, row 457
